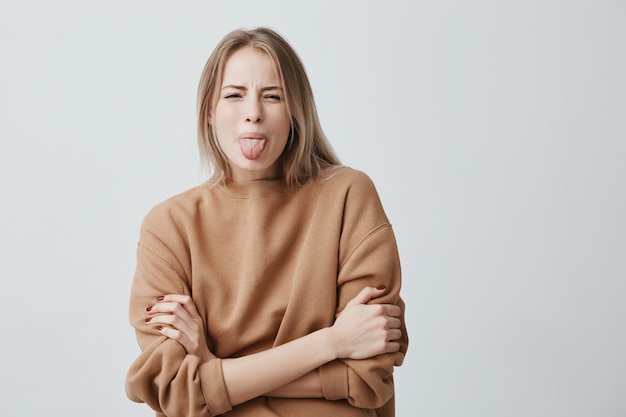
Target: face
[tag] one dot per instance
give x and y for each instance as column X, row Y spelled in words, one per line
column 250, row 118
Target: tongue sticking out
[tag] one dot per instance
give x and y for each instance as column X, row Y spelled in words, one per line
column 252, row 148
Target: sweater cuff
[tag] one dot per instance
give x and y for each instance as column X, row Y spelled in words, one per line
column 334, row 378
column 214, row 387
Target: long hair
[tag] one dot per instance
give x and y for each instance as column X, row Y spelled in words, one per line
column 307, row 152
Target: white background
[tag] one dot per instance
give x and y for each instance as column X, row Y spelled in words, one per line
column 494, row 130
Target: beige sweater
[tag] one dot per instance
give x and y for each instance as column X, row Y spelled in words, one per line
column 264, row 265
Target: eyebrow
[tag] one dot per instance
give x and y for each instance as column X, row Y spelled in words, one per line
column 241, row 87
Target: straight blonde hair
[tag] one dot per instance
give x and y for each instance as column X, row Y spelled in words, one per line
column 307, row 152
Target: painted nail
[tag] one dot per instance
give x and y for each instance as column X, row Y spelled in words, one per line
column 149, row 309
column 148, row 319
column 160, row 298
column 381, row 287
column 159, row 327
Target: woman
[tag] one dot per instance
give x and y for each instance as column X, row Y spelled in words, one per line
column 272, row 289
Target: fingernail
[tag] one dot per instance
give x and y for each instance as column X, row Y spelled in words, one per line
column 381, row 287
column 148, row 319
column 160, row 298
column 159, row 327
column 149, row 309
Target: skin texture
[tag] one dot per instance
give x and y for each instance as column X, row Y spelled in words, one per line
column 251, row 103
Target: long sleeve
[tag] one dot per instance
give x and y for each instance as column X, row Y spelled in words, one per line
column 265, row 264
column 164, row 376
column 368, row 257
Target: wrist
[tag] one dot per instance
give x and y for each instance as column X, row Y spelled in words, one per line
column 205, row 355
column 329, row 343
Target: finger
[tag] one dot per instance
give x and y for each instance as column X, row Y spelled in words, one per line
column 185, row 301
column 391, row 310
column 367, row 294
column 188, row 343
column 171, row 333
column 174, row 309
column 393, row 323
column 394, row 334
column 172, row 321
column 392, row 347
column 169, row 327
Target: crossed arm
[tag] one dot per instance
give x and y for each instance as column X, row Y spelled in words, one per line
column 361, row 331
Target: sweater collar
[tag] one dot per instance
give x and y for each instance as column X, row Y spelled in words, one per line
column 247, row 189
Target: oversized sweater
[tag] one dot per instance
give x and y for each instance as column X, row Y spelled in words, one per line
column 264, row 264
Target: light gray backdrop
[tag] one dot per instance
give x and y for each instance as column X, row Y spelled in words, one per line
column 494, row 131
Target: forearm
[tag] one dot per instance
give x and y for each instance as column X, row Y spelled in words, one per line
column 261, row 373
column 361, row 331
column 307, row 386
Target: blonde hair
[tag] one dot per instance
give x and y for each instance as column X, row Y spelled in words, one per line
column 307, row 152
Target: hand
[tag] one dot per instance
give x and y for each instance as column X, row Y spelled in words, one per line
column 182, row 323
column 364, row 330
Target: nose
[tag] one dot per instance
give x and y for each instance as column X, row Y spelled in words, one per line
column 253, row 110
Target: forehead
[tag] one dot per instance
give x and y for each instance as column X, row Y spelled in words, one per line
column 249, row 64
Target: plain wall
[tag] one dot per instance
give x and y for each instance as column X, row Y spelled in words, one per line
column 494, row 131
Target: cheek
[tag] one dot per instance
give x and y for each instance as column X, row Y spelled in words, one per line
column 225, row 112
column 223, row 122
column 285, row 123
column 222, row 114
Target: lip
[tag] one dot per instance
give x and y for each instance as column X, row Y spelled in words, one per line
column 252, row 135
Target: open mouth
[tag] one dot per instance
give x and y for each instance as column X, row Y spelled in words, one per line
column 252, row 145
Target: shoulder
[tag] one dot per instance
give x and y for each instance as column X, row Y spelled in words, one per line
column 362, row 213
column 177, row 210
column 346, row 178
column 355, row 189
